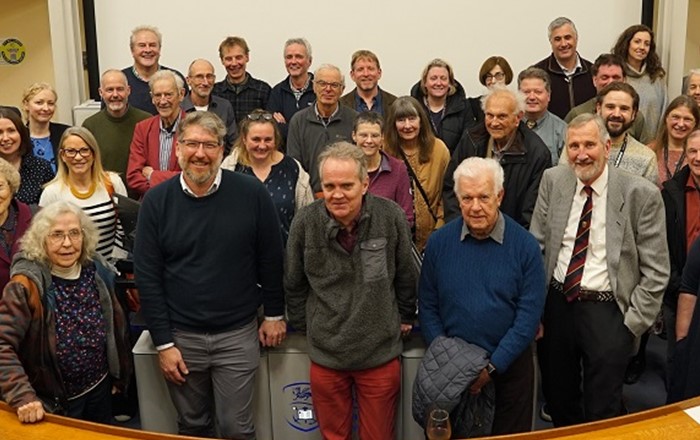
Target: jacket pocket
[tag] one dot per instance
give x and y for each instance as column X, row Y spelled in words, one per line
column 373, row 254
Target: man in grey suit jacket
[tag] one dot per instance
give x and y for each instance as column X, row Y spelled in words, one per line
column 591, row 322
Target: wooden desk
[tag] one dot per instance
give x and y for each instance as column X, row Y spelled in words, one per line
column 667, row 422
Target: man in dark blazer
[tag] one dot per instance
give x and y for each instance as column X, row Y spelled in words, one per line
column 367, row 96
column 602, row 232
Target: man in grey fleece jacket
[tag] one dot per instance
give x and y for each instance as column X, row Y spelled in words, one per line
column 351, row 286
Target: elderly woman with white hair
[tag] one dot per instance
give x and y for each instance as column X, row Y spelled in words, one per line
column 63, row 342
column 14, row 218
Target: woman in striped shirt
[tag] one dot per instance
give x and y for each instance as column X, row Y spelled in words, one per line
column 82, row 180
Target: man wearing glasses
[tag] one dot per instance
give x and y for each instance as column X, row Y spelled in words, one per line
column 200, row 79
column 311, row 130
column 208, row 252
column 152, row 158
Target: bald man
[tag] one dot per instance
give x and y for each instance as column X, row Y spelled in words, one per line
column 113, row 126
column 200, row 79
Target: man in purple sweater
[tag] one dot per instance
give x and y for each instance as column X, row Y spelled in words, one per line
column 483, row 281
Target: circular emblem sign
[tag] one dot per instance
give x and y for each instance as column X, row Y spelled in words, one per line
column 12, row 51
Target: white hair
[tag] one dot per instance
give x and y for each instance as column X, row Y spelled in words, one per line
column 474, row 167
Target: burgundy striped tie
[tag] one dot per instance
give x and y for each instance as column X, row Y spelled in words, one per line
column 574, row 273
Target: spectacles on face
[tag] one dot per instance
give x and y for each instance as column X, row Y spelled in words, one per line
column 191, row 144
column 500, row 76
column 333, row 85
column 260, row 117
column 675, row 119
column 58, row 237
column 202, row 77
column 71, row 152
column 169, row 96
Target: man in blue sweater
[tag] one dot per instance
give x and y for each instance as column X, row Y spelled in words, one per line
column 483, row 281
column 208, row 252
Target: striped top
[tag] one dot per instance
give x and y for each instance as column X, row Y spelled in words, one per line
column 100, row 208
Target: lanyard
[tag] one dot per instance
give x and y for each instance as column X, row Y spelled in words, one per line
column 679, row 164
column 621, row 153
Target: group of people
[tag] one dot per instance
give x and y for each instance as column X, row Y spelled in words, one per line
column 298, row 203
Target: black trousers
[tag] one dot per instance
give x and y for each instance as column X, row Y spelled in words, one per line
column 586, row 348
column 514, row 391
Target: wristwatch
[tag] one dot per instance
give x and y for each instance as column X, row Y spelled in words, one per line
column 491, row 369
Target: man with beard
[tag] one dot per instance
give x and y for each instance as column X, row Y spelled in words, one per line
column 152, row 158
column 200, row 79
column 209, row 252
column 617, row 104
column 113, row 126
column 367, row 96
column 603, row 296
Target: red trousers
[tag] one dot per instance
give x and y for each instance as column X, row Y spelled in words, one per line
column 377, row 390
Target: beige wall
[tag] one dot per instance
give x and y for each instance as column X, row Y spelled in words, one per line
column 28, row 21
column 692, row 48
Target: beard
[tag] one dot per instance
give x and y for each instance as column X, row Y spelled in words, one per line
column 200, row 177
column 619, row 131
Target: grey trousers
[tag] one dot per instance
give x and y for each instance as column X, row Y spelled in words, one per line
column 219, row 386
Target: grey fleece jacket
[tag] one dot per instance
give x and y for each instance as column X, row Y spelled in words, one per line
column 351, row 305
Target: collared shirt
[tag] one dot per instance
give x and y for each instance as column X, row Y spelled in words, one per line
column 595, row 271
column 570, row 73
column 298, row 93
column 166, row 138
column 692, row 211
column 361, row 105
column 347, row 239
column 491, row 151
column 496, row 234
column 552, row 131
column 212, row 189
column 323, row 120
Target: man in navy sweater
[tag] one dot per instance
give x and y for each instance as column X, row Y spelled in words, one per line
column 208, row 252
column 483, row 281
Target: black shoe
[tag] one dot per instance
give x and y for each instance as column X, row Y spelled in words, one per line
column 544, row 413
column 635, row 369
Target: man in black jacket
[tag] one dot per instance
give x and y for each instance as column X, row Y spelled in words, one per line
column 572, row 83
column 521, row 153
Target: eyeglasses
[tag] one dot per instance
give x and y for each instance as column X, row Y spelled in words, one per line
column 167, row 95
column 496, row 76
column 675, row 119
column 201, row 77
column 58, row 237
column 260, row 117
column 71, row 152
column 191, row 144
column 332, row 85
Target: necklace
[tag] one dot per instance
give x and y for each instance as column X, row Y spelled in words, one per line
column 679, row 164
column 83, row 195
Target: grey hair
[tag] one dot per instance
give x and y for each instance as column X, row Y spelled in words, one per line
column 301, row 41
column 474, row 167
column 693, row 134
column 559, row 22
column 166, row 74
column 535, row 73
column 585, row 118
column 345, row 151
column 331, row 67
column 10, row 174
column 33, row 242
column 500, row 90
column 206, row 120
column 189, row 69
column 116, row 71
column 686, row 79
column 145, row 28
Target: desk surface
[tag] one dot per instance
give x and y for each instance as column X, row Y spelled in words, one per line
column 667, row 422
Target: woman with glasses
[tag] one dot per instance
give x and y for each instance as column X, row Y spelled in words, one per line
column 82, row 181
column 644, row 72
column 63, row 343
column 39, row 102
column 495, row 70
column 16, row 148
column 407, row 137
column 680, row 118
column 443, row 100
column 14, row 218
column 256, row 153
